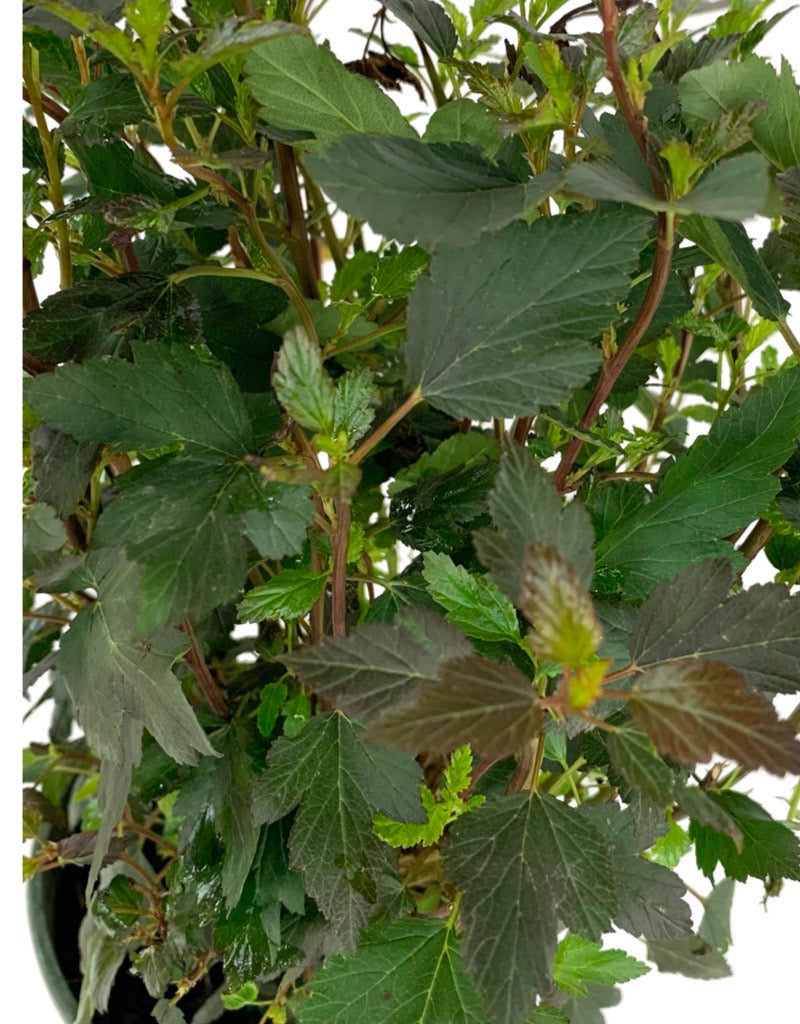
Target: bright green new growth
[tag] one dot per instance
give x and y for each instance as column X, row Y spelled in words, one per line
column 395, row 472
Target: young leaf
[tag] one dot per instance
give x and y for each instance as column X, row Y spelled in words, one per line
column 464, row 120
column 167, row 395
column 769, row 849
column 379, row 667
column 723, row 85
column 723, row 482
column 578, row 960
column 303, row 387
column 351, row 404
column 526, row 510
column 485, row 703
column 429, row 21
column 288, row 595
column 304, row 87
column 408, row 971
column 692, row 709
column 560, row 610
column 472, row 602
column 482, row 345
column 756, row 631
column 531, row 852
column 270, row 702
column 437, row 194
column 339, row 782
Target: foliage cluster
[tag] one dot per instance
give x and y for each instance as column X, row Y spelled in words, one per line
column 389, row 482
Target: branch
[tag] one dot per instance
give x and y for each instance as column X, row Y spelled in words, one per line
column 299, row 242
column 194, row 658
column 662, row 264
column 341, row 541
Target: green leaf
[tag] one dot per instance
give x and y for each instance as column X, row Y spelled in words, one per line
column 105, row 316
column 461, row 451
column 246, row 995
column 688, row 955
column 730, row 246
column 634, row 758
column 270, row 702
column 304, row 87
column 485, row 703
column 429, row 21
column 113, row 675
column 715, row 928
column 229, row 38
column 379, row 667
column 237, row 313
column 167, row 395
column 352, row 412
column 649, row 896
column 472, row 603
column 44, row 537
column 723, row 482
column 101, row 957
column 692, row 709
column 578, row 960
column 288, row 595
column 103, row 107
column 437, row 194
column 62, row 467
column 669, row 849
column 186, row 522
column 464, row 120
column 525, row 851
column 701, row 807
column 226, row 786
column 526, row 510
column 113, row 171
column 406, row 972
column 303, row 387
column 769, row 848
column 396, row 275
column 733, row 190
column 481, row 345
column 721, row 86
column 339, row 782
column 756, row 631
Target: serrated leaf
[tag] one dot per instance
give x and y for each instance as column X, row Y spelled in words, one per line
column 186, row 521
column 225, row 786
column 522, row 863
column 635, row 759
column 105, row 316
column 485, row 703
column 480, row 351
column 61, row 467
column 578, row 960
column 303, row 387
column 227, row 39
column 731, row 247
column 396, row 275
column 437, row 194
column 464, row 120
column 167, row 395
column 722, row 483
column 472, row 603
column 379, row 667
column 732, row 190
column 352, row 412
column 270, row 702
column 43, row 538
column 688, row 955
column 526, row 510
column 429, row 21
column 103, row 107
column 558, row 607
column 339, row 782
column 692, row 709
column 406, row 972
column 649, row 896
column 769, row 848
column 288, row 595
column 715, row 928
column 707, row 92
column 302, row 86
column 701, row 807
column 756, row 631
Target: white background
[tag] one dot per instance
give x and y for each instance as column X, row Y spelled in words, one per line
column 764, row 957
